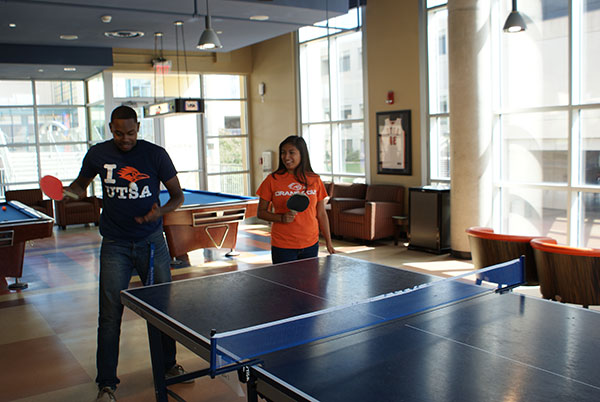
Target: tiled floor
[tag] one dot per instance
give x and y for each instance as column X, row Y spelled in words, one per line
column 48, row 337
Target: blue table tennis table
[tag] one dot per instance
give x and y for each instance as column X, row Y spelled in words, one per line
column 496, row 346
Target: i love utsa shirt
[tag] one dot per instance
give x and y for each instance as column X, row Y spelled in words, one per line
column 130, row 186
column 304, row 230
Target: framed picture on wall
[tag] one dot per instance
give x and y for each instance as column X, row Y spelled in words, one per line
column 393, row 143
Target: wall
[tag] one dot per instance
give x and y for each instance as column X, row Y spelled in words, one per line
column 273, row 117
column 235, row 62
column 392, row 48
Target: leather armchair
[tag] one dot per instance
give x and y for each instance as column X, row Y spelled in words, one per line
column 33, row 198
column 343, row 191
column 82, row 211
column 371, row 218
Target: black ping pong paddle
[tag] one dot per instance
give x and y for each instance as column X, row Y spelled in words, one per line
column 298, row 202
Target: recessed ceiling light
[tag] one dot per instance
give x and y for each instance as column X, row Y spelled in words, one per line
column 12, row 25
column 259, row 17
column 69, row 69
column 40, row 70
column 69, row 37
column 219, row 32
column 124, row 34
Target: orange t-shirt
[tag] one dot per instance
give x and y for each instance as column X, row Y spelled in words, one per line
column 304, row 230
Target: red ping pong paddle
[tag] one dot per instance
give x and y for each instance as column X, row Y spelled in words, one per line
column 53, row 188
column 298, row 202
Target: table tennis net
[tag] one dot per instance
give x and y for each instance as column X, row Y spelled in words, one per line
column 248, row 343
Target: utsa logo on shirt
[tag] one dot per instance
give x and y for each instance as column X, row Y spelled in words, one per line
column 132, row 175
column 293, row 189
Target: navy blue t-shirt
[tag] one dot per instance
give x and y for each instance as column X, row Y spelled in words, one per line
column 130, row 186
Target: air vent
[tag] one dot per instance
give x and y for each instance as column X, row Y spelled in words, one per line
column 124, row 34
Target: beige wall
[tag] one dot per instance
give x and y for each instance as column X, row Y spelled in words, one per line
column 275, row 116
column 236, row 62
column 392, row 48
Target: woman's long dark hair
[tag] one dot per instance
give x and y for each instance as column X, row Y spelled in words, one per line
column 304, row 167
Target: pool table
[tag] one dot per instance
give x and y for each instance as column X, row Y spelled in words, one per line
column 19, row 223
column 205, row 220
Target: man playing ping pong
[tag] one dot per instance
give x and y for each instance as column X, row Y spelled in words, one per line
column 296, row 223
column 131, row 173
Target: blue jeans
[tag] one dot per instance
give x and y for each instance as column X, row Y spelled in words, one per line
column 118, row 259
column 292, row 254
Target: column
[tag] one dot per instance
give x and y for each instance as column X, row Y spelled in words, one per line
column 470, row 84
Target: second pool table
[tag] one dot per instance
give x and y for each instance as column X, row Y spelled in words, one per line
column 206, row 220
column 18, row 224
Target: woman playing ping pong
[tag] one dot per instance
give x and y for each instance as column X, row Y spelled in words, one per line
column 294, row 234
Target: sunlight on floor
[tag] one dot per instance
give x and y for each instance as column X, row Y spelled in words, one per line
column 445, row 268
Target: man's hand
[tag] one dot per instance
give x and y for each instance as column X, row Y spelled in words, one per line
column 151, row 216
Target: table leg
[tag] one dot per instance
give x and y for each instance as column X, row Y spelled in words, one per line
column 18, row 285
column 251, row 389
column 158, row 364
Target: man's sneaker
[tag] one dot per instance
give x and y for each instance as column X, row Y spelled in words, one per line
column 178, row 370
column 106, row 394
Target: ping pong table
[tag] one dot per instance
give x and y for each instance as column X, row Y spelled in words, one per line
column 490, row 347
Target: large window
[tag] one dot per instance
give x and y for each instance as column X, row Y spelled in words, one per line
column 547, row 134
column 548, row 127
column 43, row 131
column 439, row 113
column 210, row 150
column 226, row 133
column 46, row 127
column 331, row 92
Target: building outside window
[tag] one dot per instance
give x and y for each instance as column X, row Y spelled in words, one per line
column 331, row 97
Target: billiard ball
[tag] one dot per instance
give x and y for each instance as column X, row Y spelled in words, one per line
column 4, row 208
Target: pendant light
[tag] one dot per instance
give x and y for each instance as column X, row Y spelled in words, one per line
column 514, row 22
column 209, row 39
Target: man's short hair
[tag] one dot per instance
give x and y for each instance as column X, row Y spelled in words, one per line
column 123, row 112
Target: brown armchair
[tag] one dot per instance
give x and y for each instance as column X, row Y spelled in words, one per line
column 329, row 187
column 369, row 219
column 567, row 274
column 33, row 198
column 489, row 248
column 343, row 191
column 82, row 211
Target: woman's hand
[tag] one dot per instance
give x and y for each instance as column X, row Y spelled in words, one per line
column 288, row 217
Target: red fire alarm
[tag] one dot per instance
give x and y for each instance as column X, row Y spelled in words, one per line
column 390, row 97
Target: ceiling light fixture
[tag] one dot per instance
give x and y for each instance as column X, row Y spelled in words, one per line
column 12, row 25
column 514, row 22
column 124, row 34
column 209, row 39
column 259, row 17
column 69, row 37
